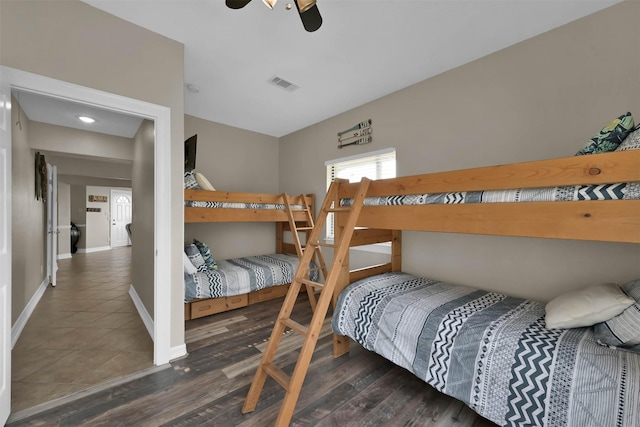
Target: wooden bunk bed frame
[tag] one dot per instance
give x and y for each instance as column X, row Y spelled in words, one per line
column 606, row 220
column 208, row 306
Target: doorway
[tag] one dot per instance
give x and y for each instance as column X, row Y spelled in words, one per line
column 159, row 327
column 121, row 208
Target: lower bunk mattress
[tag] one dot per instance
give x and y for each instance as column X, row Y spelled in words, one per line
column 492, row 352
column 238, row 276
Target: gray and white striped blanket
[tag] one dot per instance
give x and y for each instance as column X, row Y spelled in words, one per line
column 618, row 191
column 239, row 276
column 237, row 205
column 492, row 352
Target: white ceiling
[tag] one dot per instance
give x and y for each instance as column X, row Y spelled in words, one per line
column 364, row 50
column 45, row 109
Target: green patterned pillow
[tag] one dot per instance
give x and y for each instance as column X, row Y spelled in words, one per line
column 206, row 254
column 610, row 136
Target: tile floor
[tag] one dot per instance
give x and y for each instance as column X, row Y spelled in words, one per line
column 83, row 332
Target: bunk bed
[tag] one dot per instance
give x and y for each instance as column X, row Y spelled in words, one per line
column 491, row 351
column 205, row 206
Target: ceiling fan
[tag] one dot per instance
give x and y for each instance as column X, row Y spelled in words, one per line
column 308, row 10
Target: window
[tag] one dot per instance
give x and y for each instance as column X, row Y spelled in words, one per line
column 375, row 165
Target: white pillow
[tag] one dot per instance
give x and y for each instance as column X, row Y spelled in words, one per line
column 586, row 307
column 189, row 268
column 204, row 182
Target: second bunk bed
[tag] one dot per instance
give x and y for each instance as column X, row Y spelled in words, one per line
column 239, row 282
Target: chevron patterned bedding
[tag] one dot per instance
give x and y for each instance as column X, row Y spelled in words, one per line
column 492, row 352
column 619, row 191
column 239, row 276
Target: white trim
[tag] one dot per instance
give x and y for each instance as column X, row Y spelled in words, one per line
column 64, row 227
column 64, row 256
column 178, row 351
column 21, row 322
column 142, row 311
column 361, row 156
column 96, row 249
column 161, row 116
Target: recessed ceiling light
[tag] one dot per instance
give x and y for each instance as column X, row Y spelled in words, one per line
column 86, row 119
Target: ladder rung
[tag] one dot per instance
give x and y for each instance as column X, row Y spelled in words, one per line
column 304, row 228
column 296, row 327
column 329, row 245
column 340, row 209
column 312, row 283
column 277, row 374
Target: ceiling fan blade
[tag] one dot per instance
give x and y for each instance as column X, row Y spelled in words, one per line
column 237, row 4
column 311, row 19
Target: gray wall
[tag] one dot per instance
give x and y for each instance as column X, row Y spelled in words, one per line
column 74, row 42
column 233, row 159
column 143, row 215
column 542, row 98
column 28, row 216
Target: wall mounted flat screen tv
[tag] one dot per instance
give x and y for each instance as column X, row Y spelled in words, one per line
column 190, row 146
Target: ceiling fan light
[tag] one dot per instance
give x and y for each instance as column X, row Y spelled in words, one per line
column 269, row 3
column 305, row 5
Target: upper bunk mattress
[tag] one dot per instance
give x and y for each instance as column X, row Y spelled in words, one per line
column 236, row 205
column 493, row 352
column 239, row 276
column 618, row 191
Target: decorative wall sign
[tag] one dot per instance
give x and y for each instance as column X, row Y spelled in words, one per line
column 356, row 135
column 97, row 198
column 94, row 209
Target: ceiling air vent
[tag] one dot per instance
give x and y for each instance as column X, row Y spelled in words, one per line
column 284, row 84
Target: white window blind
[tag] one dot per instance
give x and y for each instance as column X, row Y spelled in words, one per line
column 375, row 165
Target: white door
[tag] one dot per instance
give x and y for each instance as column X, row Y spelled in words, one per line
column 5, row 250
column 52, row 223
column 121, row 205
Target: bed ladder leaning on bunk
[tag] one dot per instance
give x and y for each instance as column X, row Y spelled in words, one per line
column 293, row 384
column 317, row 258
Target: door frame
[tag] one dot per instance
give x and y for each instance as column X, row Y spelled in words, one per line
column 161, row 116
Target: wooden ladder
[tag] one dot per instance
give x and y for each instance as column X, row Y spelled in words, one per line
column 318, row 259
column 293, row 384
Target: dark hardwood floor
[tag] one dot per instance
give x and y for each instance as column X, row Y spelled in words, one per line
column 209, row 386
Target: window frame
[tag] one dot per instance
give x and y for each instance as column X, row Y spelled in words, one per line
column 376, row 157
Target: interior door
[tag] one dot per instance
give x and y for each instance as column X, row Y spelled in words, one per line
column 121, row 207
column 52, row 223
column 5, row 250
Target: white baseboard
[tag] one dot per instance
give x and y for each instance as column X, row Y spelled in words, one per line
column 177, row 352
column 98, row 249
column 21, row 322
column 64, row 256
column 142, row 311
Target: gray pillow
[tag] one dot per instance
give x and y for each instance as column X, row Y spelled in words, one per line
column 195, row 257
column 631, row 142
column 623, row 330
column 190, row 181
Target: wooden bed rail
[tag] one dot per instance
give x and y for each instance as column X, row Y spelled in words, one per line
column 596, row 220
column 605, row 168
column 192, row 214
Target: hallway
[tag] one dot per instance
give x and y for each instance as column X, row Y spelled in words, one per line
column 83, row 332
